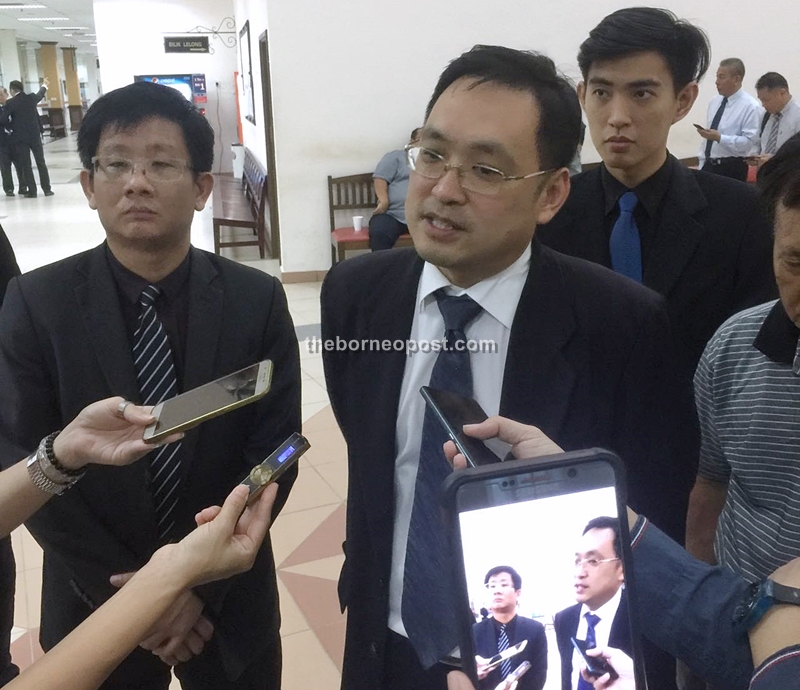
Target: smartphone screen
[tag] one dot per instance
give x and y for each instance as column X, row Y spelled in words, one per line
column 542, row 559
column 210, row 400
column 453, row 412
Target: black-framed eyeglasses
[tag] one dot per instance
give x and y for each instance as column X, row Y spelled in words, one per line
column 479, row 178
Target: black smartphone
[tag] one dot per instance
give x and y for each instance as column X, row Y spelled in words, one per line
column 453, row 412
column 544, row 540
column 596, row 666
column 281, row 459
column 193, row 407
column 698, row 126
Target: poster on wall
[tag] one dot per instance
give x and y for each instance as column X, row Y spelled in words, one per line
column 246, row 74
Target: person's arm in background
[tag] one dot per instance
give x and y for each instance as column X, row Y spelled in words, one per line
column 225, row 543
column 40, row 94
column 385, row 172
column 382, row 192
column 741, row 143
column 711, row 486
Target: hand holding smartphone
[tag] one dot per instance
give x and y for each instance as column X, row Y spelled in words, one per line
column 596, row 666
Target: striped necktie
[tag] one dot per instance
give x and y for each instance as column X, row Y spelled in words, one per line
column 155, row 372
column 772, row 140
column 502, row 645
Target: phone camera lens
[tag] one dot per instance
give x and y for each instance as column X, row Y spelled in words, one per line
column 512, row 482
column 572, row 473
column 505, row 484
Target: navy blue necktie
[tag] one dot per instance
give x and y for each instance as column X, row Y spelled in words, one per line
column 155, row 372
column 714, row 124
column 625, row 244
column 591, row 642
column 429, row 607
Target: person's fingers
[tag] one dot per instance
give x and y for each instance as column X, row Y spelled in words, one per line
column 121, row 579
column 137, row 414
column 206, row 515
column 232, row 508
column 204, row 628
column 262, row 515
column 450, row 451
column 194, row 642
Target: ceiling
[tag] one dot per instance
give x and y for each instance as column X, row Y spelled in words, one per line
column 63, row 14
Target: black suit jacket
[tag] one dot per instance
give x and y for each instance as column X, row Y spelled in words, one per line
column 22, row 116
column 535, row 651
column 711, row 258
column 566, row 625
column 589, row 361
column 8, row 263
column 63, row 345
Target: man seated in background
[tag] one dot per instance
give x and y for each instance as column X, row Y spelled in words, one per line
column 390, row 178
column 782, row 117
column 506, row 628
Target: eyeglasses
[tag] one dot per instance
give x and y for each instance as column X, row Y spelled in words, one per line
column 499, row 585
column 158, row 170
column 482, row 179
column 592, row 563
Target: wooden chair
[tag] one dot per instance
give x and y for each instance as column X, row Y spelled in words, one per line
column 352, row 193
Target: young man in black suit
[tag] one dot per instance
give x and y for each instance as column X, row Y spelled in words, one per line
column 506, row 628
column 580, row 352
column 601, row 615
column 698, row 239
column 68, row 332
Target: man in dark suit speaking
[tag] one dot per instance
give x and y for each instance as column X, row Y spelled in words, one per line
column 600, row 617
column 578, row 351
column 506, row 628
column 145, row 315
column 699, row 239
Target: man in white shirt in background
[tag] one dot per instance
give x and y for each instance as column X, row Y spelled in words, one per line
column 782, row 119
column 734, row 117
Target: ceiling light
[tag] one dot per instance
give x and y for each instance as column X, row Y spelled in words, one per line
column 42, row 19
column 65, row 28
column 12, row 6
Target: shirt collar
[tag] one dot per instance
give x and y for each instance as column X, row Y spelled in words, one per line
column 489, row 293
column 788, row 106
column 737, row 95
column 132, row 285
column 650, row 192
column 608, row 610
column 778, row 337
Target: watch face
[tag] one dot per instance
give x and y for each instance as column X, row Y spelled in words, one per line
column 745, row 607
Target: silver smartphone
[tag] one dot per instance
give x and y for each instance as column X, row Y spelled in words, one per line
column 194, row 407
column 280, row 460
column 544, row 540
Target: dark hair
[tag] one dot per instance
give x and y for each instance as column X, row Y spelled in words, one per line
column 559, row 110
column 735, row 64
column 605, row 522
column 772, row 80
column 516, row 580
column 131, row 105
column 779, row 178
column 683, row 46
column 16, row 85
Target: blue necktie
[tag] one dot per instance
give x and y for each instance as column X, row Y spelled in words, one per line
column 714, row 124
column 591, row 642
column 625, row 245
column 429, row 607
column 502, row 645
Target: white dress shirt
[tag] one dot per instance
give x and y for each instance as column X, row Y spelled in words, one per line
column 738, row 128
column 788, row 125
column 499, row 296
column 602, row 631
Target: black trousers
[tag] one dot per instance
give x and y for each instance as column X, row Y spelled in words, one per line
column 727, row 167
column 8, row 671
column 384, row 231
column 403, row 671
column 6, row 159
column 23, row 149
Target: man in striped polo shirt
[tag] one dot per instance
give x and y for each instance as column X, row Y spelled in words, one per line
column 745, row 505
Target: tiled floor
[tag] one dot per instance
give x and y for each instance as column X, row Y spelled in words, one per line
column 307, row 537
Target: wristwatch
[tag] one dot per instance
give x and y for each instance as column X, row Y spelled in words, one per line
column 758, row 599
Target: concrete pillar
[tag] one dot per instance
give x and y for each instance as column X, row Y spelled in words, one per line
column 9, row 57
column 53, row 104
column 75, row 104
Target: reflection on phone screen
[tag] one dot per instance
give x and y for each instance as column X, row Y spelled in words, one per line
column 543, row 568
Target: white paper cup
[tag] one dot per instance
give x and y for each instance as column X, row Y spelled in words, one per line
column 358, row 223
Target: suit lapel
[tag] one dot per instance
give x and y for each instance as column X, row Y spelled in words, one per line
column 204, row 321
column 538, row 378
column 98, row 302
column 678, row 232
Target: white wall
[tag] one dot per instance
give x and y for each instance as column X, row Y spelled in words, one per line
column 350, row 79
column 130, row 41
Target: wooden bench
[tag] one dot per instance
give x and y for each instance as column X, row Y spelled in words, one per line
column 241, row 204
column 353, row 193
